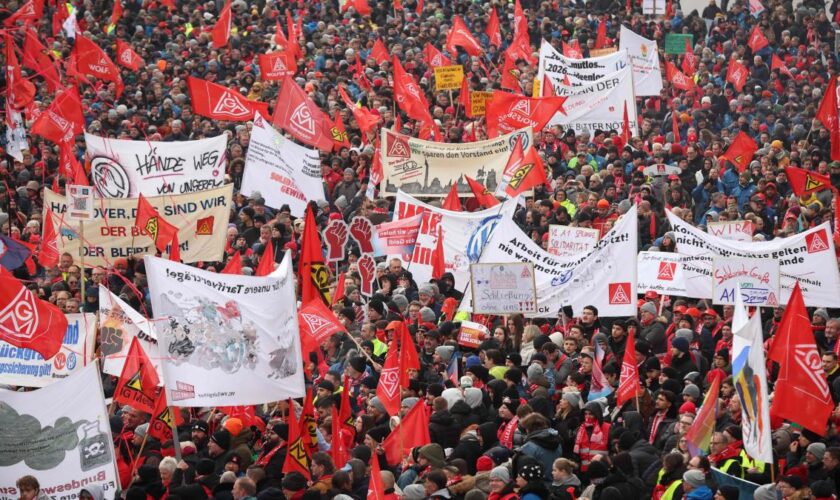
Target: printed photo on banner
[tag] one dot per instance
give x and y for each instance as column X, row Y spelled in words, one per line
column 228, row 342
column 27, row 368
column 201, row 219
column 80, row 202
column 503, row 288
column 126, row 169
column 736, row 230
column 757, row 280
column 61, row 435
column 567, row 241
column 429, row 169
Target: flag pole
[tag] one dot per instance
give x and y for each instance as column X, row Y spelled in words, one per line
column 176, row 442
column 82, row 251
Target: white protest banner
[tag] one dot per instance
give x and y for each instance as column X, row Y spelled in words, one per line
column 644, row 56
column 283, row 172
column 567, row 241
column 397, row 237
column 605, row 277
column 228, row 342
column 503, row 288
column 661, row 272
column 472, row 334
column 201, row 219
column 736, row 230
column 758, row 280
column 661, row 170
column 27, row 368
column 119, row 323
column 80, row 202
column 580, row 72
column 429, row 169
column 598, row 105
column 61, row 435
column 464, row 236
column 126, row 169
column 807, row 257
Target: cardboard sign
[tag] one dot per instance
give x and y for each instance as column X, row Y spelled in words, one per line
column 449, row 77
column 675, row 43
column 759, row 280
column 472, row 334
column 737, row 230
column 478, row 102
column 503, row 288
column 567, row 241
column 80, row 202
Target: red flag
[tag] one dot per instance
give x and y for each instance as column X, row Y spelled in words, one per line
column 92, row 60
column 689, row 62
column 484, row 197
column 628, row 385
column 309, row 424
column 547, row 86
column 338, row 294
column 804, row 182
column 234, row 265
column 601, row 36
column 572, row 51
column 366, row 120
column 20, row 92
column 736, row 74
column 360, row 6
column 777, row 63
column 138, row 382
column 59, row 16
column 464, row 98
column 460, row 36
column 419, row 8
column 376, row 490
column 297, row 114
column 314, row 275
column 297, row 459
column 317, row 323
column 411, row 432
column 48, row 253
column 523, row 171
column 438, row 258
column 836, row 218
column 339, row 133
column 276, row 65
column 379, row 52
column 162, row 232
column 116, row 13
column 408, row 94
column 294, row 36
column 388, row 390
column 163, row 418
column 451, row 202
column 279, row 37
column 520, row 47
column 802, row 393
column 827, row 115
column 216, row 101
column 70, row 166
column 27, row 321
column 757, row 40
column 266, row 264
column 36, row 57
column 345, row 412
column 434, row 57
column 338, row 446
column 408, row 354
column 675, row 126
column 510, row 74
column 493, row 30
column 28, row 12
column 508, row 112
column 221, row 31
column 741, row 151
column 626, row 133
column 678, row 79
column 63, row 119
column 127, row 57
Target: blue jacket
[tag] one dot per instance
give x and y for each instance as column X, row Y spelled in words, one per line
column 700, row 493
column 545, row 446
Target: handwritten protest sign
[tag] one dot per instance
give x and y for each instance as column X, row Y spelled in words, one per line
column 449, row 77
column 567, row 241
column 759, row 280
column 737, row 230
column 503, row 288
column 478, row 102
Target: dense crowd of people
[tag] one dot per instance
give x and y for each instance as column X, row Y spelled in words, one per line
column 517, row 421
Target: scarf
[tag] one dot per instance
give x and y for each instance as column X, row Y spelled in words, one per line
column 506, row 431
column 732, row 450
column 265, row 458
column 590, row 437
column 654, row 426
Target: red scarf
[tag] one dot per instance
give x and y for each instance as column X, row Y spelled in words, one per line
column 591, row 437
column 506, row 431
column 732, row 450
column 264, row 459
column 654, row 426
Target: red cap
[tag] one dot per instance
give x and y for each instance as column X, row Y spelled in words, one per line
column 693, row 312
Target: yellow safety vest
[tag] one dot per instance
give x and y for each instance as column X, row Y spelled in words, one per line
column 672, row 488
column 748, row 463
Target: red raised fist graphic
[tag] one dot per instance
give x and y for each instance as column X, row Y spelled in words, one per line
column 336, row 237
column 367, row 270
column 361, row 229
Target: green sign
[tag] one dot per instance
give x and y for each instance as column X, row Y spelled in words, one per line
column 675, row 43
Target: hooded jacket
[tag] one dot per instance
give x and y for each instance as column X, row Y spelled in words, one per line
column 545, row 446
column 443, row 429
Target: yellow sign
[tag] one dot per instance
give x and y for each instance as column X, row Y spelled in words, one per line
column 478, row 102
column 449, row 77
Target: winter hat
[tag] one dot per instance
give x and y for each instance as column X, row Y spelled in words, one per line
column 427, row 315
column 695, row 478
column 201, row 425
column 688, row 407
column 377, row 403
column 729, row 492
column 794, row 481
column 598, row 470
column 426, row 290
column 822, row 489
column 465, row 382
column 361, row 452
column 767, row 492
column 445, row 352
column 484, row 464
column 680, row 344
column 627, row 440
column 234, row 426
column 294, row 481
column 141, row 430
column 473, row 360
column 511, row 403
column 535, row 371
column 358, row 363
column 573, row 398
column 221, row 438
column 472, row 396
column 648, row 307
column 822, row 313
column 205, row 467
column 817, row 449
column 498, row 454
column 692, row 391
column 501, row 473
column 434, row 454
column 282, row 430
column 379, row 433
column 531, row 472
column 414, row 492
column 409, row 402
column 684, row 333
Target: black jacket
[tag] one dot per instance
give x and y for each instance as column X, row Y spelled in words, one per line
column 443, row 429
